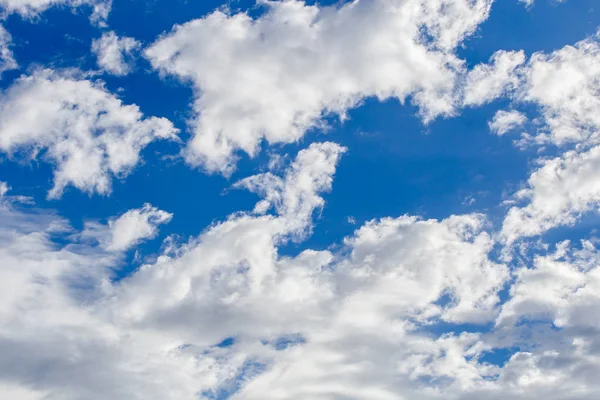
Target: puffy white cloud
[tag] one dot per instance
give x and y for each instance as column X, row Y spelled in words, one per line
column 4, row 188
column 486, row 82
column 129, row 229
column 276, row 76
column 226, row 316
column 552, row 316
column 32, row 8
column 115, row 53
column 78, row 126
column 558, row 193
column 319, row 324
column 563, row 84
column 564, row 87
column 7, row 60
column 506, row 121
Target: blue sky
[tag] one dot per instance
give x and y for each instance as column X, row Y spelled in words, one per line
column 376, row 180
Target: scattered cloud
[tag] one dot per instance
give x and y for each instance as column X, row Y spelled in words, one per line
column 506, row 121
column 115, row 53
column 32, row 8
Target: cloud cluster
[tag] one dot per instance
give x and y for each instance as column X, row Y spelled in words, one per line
column 404, row 307
column 564, row 88
column 78, row 126
column 225, row 315
column 276, row 76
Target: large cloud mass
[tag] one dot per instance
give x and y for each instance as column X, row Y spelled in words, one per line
column 404, row 307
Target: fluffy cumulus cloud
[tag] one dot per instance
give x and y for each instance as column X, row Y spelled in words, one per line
column 404, row 307
column 87, row 133
column 276, row 76
column 487, row 82
column 115, row 54
column 129, row 229
column 226, row 316
column 563, row 87
column 557, row 193
column 233, row 317
column 506, row 121
column 32, row 8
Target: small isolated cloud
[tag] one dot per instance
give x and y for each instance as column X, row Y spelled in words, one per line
column 506, row 121
column 129, row 229
column 115, row 54
column 4, row 188
column 136, row 225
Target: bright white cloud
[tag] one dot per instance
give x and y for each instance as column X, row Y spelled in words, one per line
column 318, row 324
column 114, row 54
column 486, row 82
column 276, row 76
column 32, row 8
column 558, row 193
column 77, row 125
column 129, row 229
column 506, row 121
column 4, row 188
column 351, row 323
column 564, row 86
column 7, row 60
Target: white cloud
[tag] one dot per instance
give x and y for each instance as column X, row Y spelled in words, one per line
column 486, row 82
column 4, row 188
column 351, row 323
column 564, row 86
column 558, row 193
column 32, row 8
column 506, row 121
column 276, row 76
column 78, row 126
column 7, row 60
column 295, row 197
column 129, row 229
column 115, row 53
